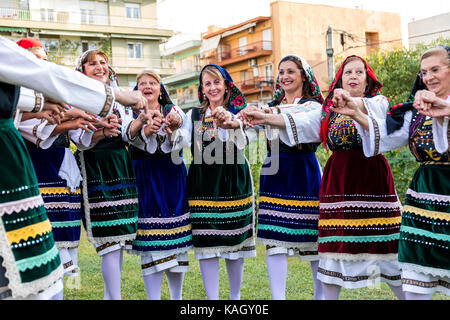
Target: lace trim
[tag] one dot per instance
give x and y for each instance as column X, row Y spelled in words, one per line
column 286, row 202
column 267, row 227
column 113, row 203
column 61, row 205
column 435, row 272
column 286, row 215
column 425, row 233
column 164, row 220
column 427, row 213
column 304, row 246
column 21, row 205
column 218, row 215
column 359, row 222
column 58, row 190
column 235, row 232
column 428, row 196
column 162, row 243
column 216, row 204
column 67, row 244
column 379, row 238
column 231, row 249
column 66, row 224
column 116, row 222
column 359, row 256
column 32, row 231
column 361, row 204
column 37, row 261
column 142, row 232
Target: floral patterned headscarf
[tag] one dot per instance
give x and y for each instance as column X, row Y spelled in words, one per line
column 329, row 99
column 112, row 73
column 237, row 98
column 317, row 94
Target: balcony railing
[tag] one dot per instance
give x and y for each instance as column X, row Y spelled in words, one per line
column 226, row 55
column 256, row 84
column 74, row 17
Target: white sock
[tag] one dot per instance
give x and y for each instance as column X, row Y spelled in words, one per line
column 74, row 255
column 111, row 270
column 397, row 290
column 417, row 296
column 210, row 275
column 330, row 291
column 318, row 285
column 277, row 270
column 175, row 282
column 58, row 296
column 152, row 284
column 235, row 270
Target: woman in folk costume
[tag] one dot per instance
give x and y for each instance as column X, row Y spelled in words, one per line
column 421, row 123
column 110, row 199
column 30, row 264
column 219, row 183
column 164, row 232
column 288, row 212
column 360, row 218
column 56, row 169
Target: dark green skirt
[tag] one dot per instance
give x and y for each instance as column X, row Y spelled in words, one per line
column 27, row 247
column 424, row 244
column 221, row 203
column 110, row 199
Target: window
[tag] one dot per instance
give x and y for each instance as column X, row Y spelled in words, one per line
column 133, row 10
column 87, row 16
column 242, row 46
column 135, row 50
column 372, row 42
column 47, row 14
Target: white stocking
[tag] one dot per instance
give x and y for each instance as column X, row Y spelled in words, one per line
column 111, row 270
column 152, row 284
column 318, row 285
column 277, row 269
column 330, row 291
column 175, row 282
column 74, row 255
column 235, row 270
column 210, row 275
column 397, row 290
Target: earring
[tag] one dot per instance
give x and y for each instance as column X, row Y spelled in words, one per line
column 204, row 96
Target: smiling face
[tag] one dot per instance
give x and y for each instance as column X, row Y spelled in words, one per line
column 150, row 88
column 213, row 87
column 97, row 68
column 290, row 77
column 436, row 74
column 354, row 78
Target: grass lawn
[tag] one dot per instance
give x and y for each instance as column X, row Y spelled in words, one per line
column 255, row 285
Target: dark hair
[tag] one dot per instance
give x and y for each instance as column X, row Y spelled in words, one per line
column 306, row 89
column 370, row 82
column 91, row 55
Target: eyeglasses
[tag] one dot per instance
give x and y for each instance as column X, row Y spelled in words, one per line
column 434, row 71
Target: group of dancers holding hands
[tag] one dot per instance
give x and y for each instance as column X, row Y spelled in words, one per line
column 126, row 187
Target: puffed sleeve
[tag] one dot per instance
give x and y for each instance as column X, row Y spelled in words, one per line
column 20, row 67
column 376, row 140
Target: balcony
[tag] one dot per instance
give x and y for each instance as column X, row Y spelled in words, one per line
column 228, row 55
column 188, row 73
column 256, row 85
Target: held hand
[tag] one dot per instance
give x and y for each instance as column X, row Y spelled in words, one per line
column 243, row 114
column 156, row 122
column 134, row 99
column 422, row 100
column 58, row 108
column 81, row 123
column 344, row 104
column 255, row 117
column 438, row 107
column 173, row 121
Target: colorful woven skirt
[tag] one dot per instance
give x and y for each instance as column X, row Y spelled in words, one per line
column 424, row 247
column 288, row 212
column 221, row 204
column 359, row 219
column 110, row 199
column 63, row 206
column 164, row 228
column 30, row 256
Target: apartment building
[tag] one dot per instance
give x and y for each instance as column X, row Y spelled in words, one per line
column 251, row 50
column 183, row 85
column 245, row 50
column 127, row 30
column 429, row 29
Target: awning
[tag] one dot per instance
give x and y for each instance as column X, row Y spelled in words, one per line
column 209, row 45
column 12, row 29
column 242, row 28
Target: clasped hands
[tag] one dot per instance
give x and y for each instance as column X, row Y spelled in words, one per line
column 154, row 121
column 428, row 104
